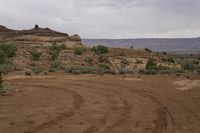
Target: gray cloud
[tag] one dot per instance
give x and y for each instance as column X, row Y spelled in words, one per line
column 106, row 18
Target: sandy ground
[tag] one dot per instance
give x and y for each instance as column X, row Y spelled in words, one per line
column 61, row 103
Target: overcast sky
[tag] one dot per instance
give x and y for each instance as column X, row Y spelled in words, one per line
column 106, row 18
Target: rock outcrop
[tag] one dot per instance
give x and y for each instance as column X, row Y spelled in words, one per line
column 36, row 34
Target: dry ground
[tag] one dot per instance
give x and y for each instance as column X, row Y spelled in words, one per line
column 60, row 103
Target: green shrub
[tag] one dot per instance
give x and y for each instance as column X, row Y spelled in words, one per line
column 28, row 73
column 125, row 71
column 89, row 61
column 139, row 62
column 148, row 50
column 81, row 69
column 164, row 53
column 170, row 60
column 5, row 68
column 38, row 70
column 104, row 66
column 151, row 65
column 55, row 50
column 35, row 55
column 100, row 49
column 1, row 81
column 6, row 90
column 8, row 49
column 103, row 59
column 124, row 62
column 79, row 51
column 56, row 66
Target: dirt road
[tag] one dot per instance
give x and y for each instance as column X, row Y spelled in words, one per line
column 62, row 103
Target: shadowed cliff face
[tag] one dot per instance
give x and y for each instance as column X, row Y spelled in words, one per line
column 37, row 33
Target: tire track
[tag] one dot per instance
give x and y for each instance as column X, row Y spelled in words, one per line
column 78, row 101
column 162, row 112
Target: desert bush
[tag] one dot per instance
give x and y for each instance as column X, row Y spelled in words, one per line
column 170, row 60
column 56, row 66
column 89, row 61
column 125, row 71
column 8, row 49
column 148, row 72
column 79, row 51
column 55, row 50
column 38, row 70
column 139, row 62
column 104, row 66
column 151, row 65
column 81, row 69
column 164, row 53
column 124, row 62
column 148, row 50
column 103, row 59
column 27, row 73
column 35, row 55
column 5, row 68
column 6, row 90
column 100, row 49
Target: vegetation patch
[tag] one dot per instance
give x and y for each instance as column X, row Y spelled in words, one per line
column 55, row 50
column 79, row 51
column 35, row 55
column 80, row 69
column 100, row 49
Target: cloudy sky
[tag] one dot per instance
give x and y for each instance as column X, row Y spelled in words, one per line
column 106, row 18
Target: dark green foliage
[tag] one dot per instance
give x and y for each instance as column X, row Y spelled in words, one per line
column 151, row 65
column 35, row 55
column 103, row 59
column 8, row 49
column 124, row 62
column 139, row 62
column 79, row 51
column 148, row 50
column 81, row 69
column 89, row 61
column 170, row 60
column 55, row 50
column 164, row 53
column 1, row 81
column 104, row 66
column 100, row 49
column 56, row 66
column 125, row 71
column 38, row 70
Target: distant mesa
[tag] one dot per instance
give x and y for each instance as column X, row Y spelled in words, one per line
column 35, row 34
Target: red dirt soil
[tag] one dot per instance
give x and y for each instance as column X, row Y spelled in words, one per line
column 60, row 103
